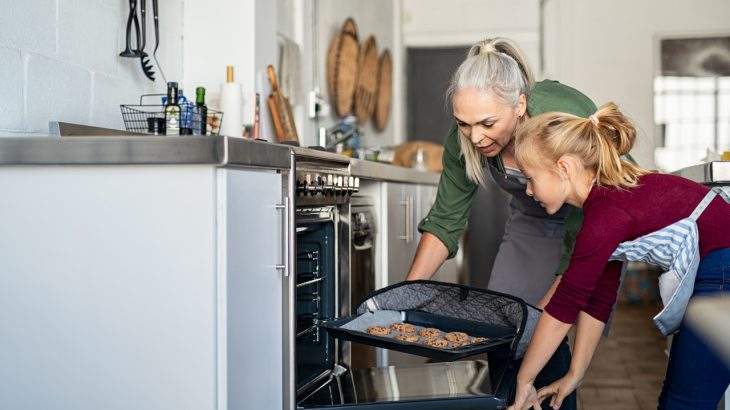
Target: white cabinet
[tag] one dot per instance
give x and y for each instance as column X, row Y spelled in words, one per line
column 250, row 238
column 139, row 287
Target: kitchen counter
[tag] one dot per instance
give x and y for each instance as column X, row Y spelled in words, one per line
column 715, row 172
column 220, row 151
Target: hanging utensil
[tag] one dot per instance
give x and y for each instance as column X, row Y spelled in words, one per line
column 156, row 17
column 132, row 19
column 144, row 59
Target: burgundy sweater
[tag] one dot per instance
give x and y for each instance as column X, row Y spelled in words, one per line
column 612, row 216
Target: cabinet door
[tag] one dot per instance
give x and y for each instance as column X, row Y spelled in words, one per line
column 251, row 235
column 400, row 230
column 108, row 287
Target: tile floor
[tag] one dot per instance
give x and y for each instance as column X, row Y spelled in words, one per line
column 629, row 366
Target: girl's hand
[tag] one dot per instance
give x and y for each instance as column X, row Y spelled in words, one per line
column 525, row 398
column 559, row 389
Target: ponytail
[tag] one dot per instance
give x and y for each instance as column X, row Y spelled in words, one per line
column 599, row 141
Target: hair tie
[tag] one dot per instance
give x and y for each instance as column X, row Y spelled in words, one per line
column 487, row 48
column 594, row 119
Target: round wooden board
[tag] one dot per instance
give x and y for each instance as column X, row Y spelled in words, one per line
column 331, row 64
column 346, row 69
column 385, row 91
column 367, row 81
column 343, row 57
column 349, row 26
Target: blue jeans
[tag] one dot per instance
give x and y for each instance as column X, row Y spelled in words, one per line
column 696, row 376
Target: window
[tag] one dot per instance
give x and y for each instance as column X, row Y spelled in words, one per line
column 692, row 100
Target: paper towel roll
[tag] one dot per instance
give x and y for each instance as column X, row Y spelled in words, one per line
column 231, row 103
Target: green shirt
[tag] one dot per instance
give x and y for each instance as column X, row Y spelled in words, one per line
column 448, row 216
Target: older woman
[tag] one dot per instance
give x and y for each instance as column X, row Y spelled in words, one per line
column 491, row 93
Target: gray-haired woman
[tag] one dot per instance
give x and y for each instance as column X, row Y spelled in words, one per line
column 492, row 91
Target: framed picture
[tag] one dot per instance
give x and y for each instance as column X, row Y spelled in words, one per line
column 695, row 56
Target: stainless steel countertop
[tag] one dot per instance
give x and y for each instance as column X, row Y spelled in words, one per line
column 716, row 172
column 220, row 151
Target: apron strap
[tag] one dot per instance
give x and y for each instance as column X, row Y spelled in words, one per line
column 703, row 205
column 723, row 191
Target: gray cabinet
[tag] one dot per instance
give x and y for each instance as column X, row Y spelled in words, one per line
column 400, row 233
column 405, row 205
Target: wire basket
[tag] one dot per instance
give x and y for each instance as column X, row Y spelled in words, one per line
column 135, row 115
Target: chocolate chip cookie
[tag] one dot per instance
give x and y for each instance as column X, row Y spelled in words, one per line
column 457, row 337
column 403, row 328
column 429, row 332
column 440, row 343
column 379, row 330
column 410, row 338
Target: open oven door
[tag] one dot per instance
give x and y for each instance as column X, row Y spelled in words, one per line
column 462, row 385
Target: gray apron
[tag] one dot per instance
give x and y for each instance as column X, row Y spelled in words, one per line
column 530, row 251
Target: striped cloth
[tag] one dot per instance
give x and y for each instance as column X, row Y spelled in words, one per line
column 675, row 249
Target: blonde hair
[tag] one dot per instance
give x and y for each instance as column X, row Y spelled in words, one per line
column 598, row 141
column 494, row 65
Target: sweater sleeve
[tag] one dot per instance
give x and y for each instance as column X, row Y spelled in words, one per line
column 590, row 282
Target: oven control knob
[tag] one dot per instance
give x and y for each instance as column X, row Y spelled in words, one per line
column 335, row 185
column 357, row 184
column 319, row 185
column 329, row 185
column 309, row 188
column 301, row 185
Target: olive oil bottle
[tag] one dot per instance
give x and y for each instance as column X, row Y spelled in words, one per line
column 172, row 110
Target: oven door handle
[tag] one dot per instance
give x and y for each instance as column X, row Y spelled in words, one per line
column 284, row 266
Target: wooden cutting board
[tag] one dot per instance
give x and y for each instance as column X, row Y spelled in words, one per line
column 280, row 109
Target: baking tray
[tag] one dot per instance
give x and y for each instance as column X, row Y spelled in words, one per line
column 496, row 335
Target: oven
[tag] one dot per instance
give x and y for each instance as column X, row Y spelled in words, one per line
column 319, row 288
column 362, row 269
column 315, row 292
column 332, row 245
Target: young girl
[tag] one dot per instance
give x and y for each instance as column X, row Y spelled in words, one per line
column 629, row 214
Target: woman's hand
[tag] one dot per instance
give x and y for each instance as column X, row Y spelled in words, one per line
column 525, row 398
column 559, row 389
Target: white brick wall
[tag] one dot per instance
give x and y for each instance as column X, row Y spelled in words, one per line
column 59, row 60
